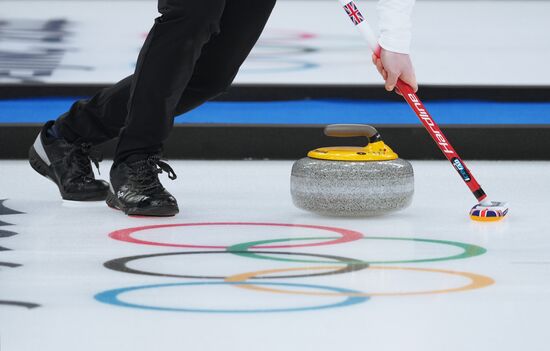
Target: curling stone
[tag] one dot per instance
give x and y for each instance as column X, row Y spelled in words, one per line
column 352, row 181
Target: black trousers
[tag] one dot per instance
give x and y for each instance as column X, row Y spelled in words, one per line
column 191, row 55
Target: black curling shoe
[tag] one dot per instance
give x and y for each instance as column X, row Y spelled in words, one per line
column 136, row 189
column 68, row 166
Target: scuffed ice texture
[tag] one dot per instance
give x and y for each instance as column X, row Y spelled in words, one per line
column 353, row 189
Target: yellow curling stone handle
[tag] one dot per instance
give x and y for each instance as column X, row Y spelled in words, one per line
column 376, row 150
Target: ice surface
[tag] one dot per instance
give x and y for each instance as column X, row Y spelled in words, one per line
column 62, row 246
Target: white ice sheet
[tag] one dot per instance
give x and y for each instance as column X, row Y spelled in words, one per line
column 62, row 247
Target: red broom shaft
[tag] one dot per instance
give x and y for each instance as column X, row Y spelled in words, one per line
column 440, row 139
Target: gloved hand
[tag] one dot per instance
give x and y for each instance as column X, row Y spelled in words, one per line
column 393, row 66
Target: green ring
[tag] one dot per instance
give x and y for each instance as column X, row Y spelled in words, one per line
column 469, row 251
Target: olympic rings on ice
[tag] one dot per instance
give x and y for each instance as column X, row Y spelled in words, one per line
column 262, row 249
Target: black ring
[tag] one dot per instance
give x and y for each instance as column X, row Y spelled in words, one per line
column 120, row 264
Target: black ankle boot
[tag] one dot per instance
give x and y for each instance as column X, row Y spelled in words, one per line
column 136, row 189
column 68, row 166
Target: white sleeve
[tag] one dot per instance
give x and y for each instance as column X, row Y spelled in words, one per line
column 395, row 24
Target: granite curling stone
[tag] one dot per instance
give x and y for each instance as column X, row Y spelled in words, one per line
column 352, row 181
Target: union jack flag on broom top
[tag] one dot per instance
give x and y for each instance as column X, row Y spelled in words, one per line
column 354, row 14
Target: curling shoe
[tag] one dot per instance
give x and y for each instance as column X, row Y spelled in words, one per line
column 136, row 189
column 68, row 166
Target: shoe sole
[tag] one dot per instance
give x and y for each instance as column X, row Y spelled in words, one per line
column 46, row 171
column 113, row 202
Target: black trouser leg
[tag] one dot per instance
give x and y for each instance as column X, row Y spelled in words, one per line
column 146, row 122
column 98, row 119
column 164, row 67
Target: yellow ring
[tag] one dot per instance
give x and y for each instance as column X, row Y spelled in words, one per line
column 477, row 281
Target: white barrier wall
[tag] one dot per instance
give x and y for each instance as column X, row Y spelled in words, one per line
column 455, row 43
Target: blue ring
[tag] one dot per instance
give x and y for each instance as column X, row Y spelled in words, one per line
column 111, row 297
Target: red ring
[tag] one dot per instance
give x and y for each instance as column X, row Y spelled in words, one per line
column 126, row 234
